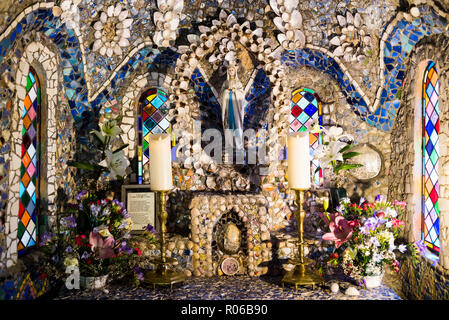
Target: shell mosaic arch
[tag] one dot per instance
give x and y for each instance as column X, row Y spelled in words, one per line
column 29, row 168
column 431, row 154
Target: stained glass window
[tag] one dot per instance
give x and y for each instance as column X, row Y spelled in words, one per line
column 151, row 120
column 306, row 109
column 29, row 168
column 431, row 128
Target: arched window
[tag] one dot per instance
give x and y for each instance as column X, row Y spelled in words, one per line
column 430, row 186
column 151, row 120
column 306, row 109
column 29, row 169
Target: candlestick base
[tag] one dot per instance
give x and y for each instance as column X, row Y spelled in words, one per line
column 168, row 277
column 301, row 275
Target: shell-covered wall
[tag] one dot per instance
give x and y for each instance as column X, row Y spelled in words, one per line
column 97, row 55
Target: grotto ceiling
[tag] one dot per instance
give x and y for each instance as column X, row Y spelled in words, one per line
column 363, row 45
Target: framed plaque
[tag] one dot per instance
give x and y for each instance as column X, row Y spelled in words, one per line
column 140, row 202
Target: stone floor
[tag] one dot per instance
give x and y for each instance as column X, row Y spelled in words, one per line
column 232, row 288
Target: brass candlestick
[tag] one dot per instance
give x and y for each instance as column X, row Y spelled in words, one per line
column 301, row 275
column 163, row 275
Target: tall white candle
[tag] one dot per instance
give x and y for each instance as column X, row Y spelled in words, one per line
column 298, row 153
column 160, row 162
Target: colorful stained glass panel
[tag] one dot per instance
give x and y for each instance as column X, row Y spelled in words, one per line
column 430, row 214
column 306, row 109
column 152, row 120
column 27, row 228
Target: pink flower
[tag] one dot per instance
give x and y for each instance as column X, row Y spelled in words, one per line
column 341, row 231
column 400, row 203
column 326, row 216
column 105, row 247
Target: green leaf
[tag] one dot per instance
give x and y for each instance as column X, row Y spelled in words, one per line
column 99, row 136
column 82, row 165
column 346, row 148
column 347, row 166
column 349, row 155
column 120, row 148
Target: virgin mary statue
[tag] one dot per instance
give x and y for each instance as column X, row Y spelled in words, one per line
column 232, row 108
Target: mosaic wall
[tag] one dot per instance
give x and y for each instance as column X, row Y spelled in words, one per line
column 97, row 54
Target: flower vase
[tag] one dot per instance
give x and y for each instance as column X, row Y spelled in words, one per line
column 374, row 281
column 93, row 283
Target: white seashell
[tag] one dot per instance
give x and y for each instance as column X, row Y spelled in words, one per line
column 296, row 19
column 230, row 45
column 357, row 20
column 300, row 38
column 98, row 34
column 203, row 29
column 178, row 6
column 334, row 287
column 123, row 42
column 274, row 6
column 415, row 12
column 118, row 51
column 157, row 38
column 199, row 52
column 212, row 59
column 281, row 38
column 279, row 24
column 183, row 49
column 290, row 5
column 109, row 52
column 157, row 16
column 338, row 52
column 98, row 26
column 127, row 22
column 341, row 20
column 349, row 18
column 352, row 291
column 335, row 41
column 223, row 15
column 290, row 35
column 258, row 32
column 123, row 15
column 193, row 38
column 104, row 17
column 97, row 45
column 231, row 20
column 286, row 17
column 103, row 50
column 110, row 11
column 162, row 4
column 117, row 9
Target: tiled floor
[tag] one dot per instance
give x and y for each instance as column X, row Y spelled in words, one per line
column 231, row 288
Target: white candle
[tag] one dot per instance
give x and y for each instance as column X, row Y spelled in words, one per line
column 298, row 153
column 160, row 162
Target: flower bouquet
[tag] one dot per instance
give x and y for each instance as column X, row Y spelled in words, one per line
column 363, row 237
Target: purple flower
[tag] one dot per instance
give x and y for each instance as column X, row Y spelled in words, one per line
column 421, row 246
column 150, row 228
column 95, row 209
column 69, row 249
column 125, row 248
column 81, row 195
column 45, row 238
column 69, row 222
column 379, row 198
column 85, row 255
column 139, row 273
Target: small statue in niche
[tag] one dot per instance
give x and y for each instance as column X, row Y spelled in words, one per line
column 232, row 98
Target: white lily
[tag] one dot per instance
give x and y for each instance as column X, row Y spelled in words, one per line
column 110, row 128
column 116, row 163
column 328, row 153
column 335, row 133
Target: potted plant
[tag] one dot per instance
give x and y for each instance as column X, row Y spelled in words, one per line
column 363, row 237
